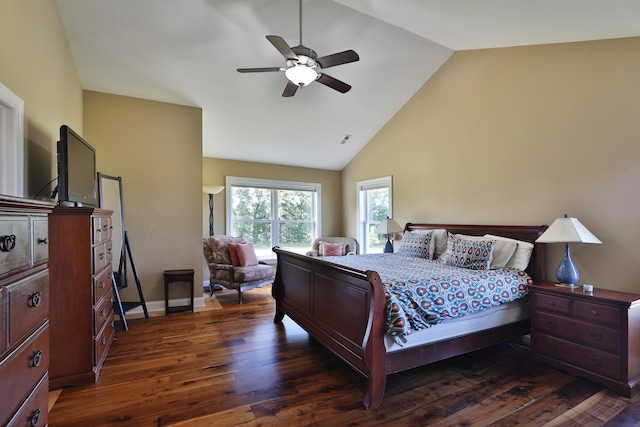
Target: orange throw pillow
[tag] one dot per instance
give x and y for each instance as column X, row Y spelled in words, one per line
column 246, row 254
column 233, row 254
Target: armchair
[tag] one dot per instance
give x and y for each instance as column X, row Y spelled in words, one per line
column 223, row 272
column 350, row 246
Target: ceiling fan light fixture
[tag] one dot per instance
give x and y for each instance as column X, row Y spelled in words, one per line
column 301, row 75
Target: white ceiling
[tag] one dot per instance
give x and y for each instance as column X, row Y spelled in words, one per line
column 187, row 51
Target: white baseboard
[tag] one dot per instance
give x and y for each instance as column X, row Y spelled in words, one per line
column 157, row 307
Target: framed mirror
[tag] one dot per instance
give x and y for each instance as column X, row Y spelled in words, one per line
column 110, row 191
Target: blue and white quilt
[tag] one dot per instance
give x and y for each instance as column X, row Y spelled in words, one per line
column 421, row 293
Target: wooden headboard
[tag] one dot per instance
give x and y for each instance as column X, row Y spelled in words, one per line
column 537, row 268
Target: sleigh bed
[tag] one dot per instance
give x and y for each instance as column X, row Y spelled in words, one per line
column 345, row 309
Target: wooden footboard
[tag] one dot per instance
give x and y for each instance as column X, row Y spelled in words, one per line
column 345, row 310
column 342, row 308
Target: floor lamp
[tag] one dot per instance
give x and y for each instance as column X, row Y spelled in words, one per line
column 212, row 190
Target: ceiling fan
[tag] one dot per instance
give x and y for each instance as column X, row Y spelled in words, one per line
column 303, row 66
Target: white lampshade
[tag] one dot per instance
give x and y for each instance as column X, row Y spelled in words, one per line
column 388, row 226
column 212, row 189
column 567, row 230
column 301, row 75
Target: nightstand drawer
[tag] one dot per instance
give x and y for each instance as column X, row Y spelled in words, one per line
column 551, row 303
column 579, row 356
column 598, row 313
column 601, row 337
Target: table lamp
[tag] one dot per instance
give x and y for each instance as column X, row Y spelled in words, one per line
column 388, row 227
column 567, row 230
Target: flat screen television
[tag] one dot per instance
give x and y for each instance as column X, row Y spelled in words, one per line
column 77, row 175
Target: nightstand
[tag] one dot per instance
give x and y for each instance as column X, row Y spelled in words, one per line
column 595, row 335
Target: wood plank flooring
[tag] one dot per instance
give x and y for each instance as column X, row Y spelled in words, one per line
column 234, row 366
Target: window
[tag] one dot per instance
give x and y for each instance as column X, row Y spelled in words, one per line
column 374, row 205
column 271, row 213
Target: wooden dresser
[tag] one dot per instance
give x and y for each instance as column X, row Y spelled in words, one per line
column 81, row 317
column 595, row 335
column 24, row 311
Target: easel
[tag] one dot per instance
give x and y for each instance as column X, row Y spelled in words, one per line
column 120, row 278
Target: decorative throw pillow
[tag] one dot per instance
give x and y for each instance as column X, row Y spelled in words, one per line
column 417, row 245
column 469, row 253
column 521, row 256
column 246, row 254
column 432, row 242
column 233, row 254
column 502, row 249
column 331, row 249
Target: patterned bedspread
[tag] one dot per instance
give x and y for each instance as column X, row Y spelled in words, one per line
column 421, row 293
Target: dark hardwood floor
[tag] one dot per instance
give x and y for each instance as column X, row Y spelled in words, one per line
column 235, row 366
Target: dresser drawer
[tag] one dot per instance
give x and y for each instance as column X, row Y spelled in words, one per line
column 551, row 303
column 14, row 244
column 21, row 370
column 27, row 305
column 101, row 228
column 3, row 341
column 591, row 335
column 35, row 411
column 102, row 311
column 103, row 340
column 599, row 313
column 583, row 357
column 101, row 285
column 40, row 240
column 99, row 257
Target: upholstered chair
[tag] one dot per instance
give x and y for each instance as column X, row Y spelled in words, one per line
column 350, row 246
column 223, row 271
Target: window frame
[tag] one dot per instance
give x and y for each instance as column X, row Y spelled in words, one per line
column 273, row 184
column 363, row 223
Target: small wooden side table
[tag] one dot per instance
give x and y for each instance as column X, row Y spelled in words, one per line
column 177, row 276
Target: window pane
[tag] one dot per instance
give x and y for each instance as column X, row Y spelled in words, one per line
column 376, row 241
column 294, row 205
column 296, row 236
column 378, row 204
column 251, row 203
column 258, row 233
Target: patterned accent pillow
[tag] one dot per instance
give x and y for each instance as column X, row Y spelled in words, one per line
column 468, row 253
column 417, row 245
column 331, row 249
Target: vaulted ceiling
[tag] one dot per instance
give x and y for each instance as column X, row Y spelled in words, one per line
column 187, row 52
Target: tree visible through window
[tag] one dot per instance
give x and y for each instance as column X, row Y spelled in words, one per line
column 374, row 205
column 271, row 213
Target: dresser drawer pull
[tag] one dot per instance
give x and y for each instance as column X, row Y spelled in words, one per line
column 103, row 341
column 34, row 419
column 102, row 284
column 110, row 251
column 552, row 303
column 105, row 227
column 35, row 299
column 102, row 313
column 7, row 243
column 551, row 346
column 113, row 323
column 111, row 300
column 43, row 240
column 551, row 324
column 101, row 256
column 36, row 359
column 596, row 336
column 594, row 312
column 595, row 360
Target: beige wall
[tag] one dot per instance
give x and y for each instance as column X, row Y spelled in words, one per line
column 157, row 150
column 36, row 64
column 522, row 136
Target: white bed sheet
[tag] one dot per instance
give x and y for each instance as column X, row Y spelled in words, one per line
column 500, row 315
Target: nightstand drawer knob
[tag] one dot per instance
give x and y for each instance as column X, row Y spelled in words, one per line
column 552, row 303
column 595, row 360
column 551, row 324
column 34, row 419
column 596, row 336
column 551, row 346
column 594, row 312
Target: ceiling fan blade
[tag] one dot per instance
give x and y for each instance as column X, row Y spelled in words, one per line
column 334, row 83
column 290, row 89
column 282, row 46
column 338, row 59
column 258, row 70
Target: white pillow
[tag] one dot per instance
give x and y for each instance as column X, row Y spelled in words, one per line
column 522, row 255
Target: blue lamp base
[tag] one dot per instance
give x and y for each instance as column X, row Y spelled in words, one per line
column 567, row 273
column 388, row 248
